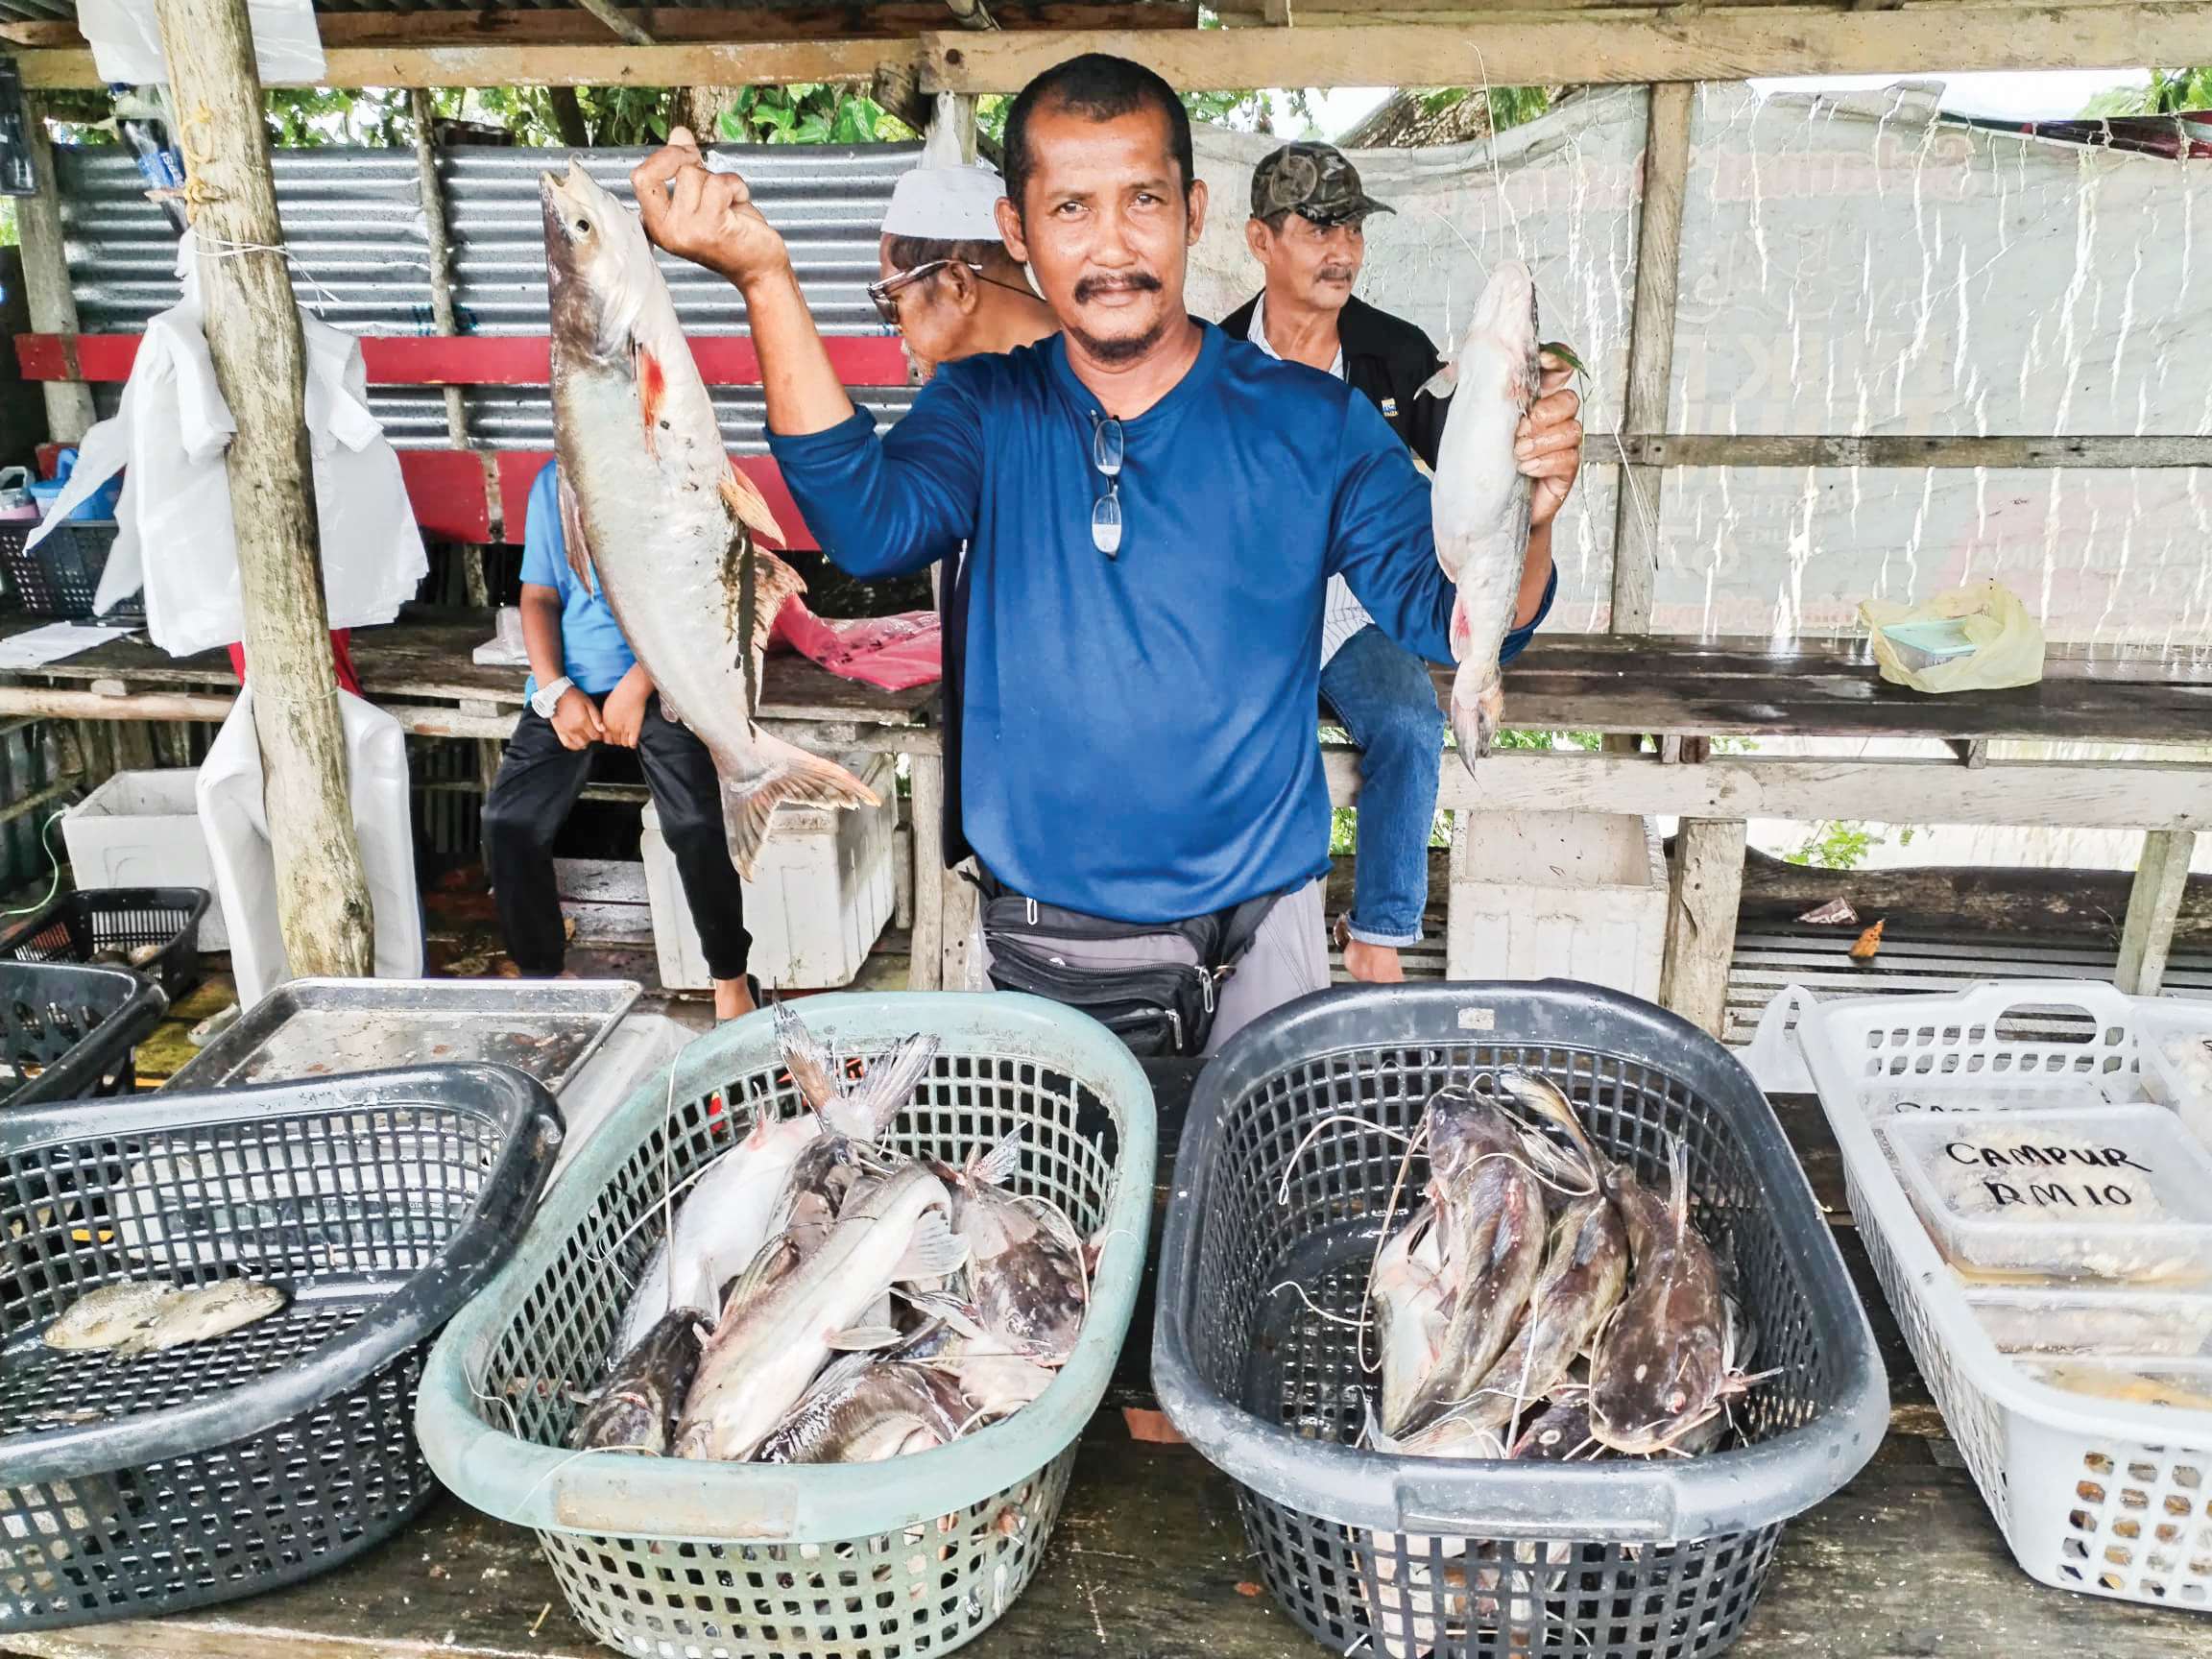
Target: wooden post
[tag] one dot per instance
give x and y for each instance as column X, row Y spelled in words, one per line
column 925, row 944
column 431, row 188
column 2154, row 904
column 46, row 289
column 1651, row 349
column 253, row 336
column 1704, row 885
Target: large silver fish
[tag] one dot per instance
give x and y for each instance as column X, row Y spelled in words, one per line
column 651, row 503
column 769, row 1346
column 1479, row 503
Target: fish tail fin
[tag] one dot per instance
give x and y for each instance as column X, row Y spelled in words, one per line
column 787, row 773
column 870, row 1106
column 1478, row 710
column 1547, row 1100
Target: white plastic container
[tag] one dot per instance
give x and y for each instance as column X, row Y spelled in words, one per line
column 2079, row 1322
column 2093, row 1492
column 142, row 830
column 2106, row 1192
column 825, row 889
column 2175, row 1038
column 1557, row 895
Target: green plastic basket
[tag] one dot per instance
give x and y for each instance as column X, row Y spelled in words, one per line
column 677, row 1559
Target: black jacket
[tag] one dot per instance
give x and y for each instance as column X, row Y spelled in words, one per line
column 1386, row 357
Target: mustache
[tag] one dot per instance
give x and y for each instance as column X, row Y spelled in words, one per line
column 1337, row 274
column 1131, row 282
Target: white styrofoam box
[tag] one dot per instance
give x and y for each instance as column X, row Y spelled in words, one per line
column 142, row 830
column 825, row 889
column 1557, row 895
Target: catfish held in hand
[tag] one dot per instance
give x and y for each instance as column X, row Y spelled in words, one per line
column 1480, row 505
column 651, row 504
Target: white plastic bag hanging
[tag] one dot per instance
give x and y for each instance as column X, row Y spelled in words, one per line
column 171, row 432
column 127, row 42
column 235, row 818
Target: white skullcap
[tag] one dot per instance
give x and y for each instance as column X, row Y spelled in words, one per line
column 943, row 198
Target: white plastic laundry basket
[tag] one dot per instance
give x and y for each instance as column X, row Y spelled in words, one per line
column 2096, row 1494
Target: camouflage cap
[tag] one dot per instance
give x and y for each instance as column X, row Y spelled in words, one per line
column 1316, row 181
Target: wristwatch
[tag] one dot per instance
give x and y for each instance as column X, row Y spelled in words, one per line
column 547, row 698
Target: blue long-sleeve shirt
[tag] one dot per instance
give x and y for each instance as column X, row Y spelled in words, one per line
column 1138, row 733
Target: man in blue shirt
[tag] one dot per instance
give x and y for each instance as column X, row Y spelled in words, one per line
column 1152, row 512
column 587, row 688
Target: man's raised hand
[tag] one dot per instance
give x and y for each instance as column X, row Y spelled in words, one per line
column 707, row 218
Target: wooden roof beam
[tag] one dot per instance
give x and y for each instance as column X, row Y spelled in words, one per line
column 1619, row 45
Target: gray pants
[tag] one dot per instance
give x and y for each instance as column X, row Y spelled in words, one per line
column 1288, row 957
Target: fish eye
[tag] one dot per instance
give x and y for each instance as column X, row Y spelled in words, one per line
column 583, row 227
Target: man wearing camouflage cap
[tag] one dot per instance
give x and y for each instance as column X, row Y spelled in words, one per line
column 1308, row 232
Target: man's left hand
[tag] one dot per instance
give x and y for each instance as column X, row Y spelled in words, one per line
column 1548, row 444
column 623, row 713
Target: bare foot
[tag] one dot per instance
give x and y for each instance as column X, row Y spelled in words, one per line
column 1374, row 963
column 733, row 998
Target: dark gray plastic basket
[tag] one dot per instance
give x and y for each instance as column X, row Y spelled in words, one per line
column 70, row 1032
column 383, row 1201
column 1411, row 1555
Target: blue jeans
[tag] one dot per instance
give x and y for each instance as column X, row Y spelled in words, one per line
column 1386, row 699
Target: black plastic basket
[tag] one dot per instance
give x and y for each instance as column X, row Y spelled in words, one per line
column 69, row 1032
column 150, row 930
column 60, row 576
column 381, row 1201
column 1537, row 1560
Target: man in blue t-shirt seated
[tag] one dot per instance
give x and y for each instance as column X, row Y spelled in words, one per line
column 587, row 688
column 1152, row 512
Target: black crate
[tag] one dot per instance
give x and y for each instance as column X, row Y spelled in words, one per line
column 60, row 575
column 1486, row 1559
column 70, row 1032
column 381, row 1202
column 150, row 930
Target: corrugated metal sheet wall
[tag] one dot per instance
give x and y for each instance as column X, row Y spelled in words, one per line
column 353, row 221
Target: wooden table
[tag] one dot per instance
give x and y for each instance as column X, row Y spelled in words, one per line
column 1674, row 692
column 420, row 671
column 1149, row 1561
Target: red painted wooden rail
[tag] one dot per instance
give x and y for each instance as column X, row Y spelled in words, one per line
column 480, row 494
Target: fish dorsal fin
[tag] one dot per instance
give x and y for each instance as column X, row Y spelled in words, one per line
column 872, row 1105
column 572, row 535
column 805, row 1058
column 1678, row 1187
column 747, row 507
column 933, row 1252
column 997, row 1165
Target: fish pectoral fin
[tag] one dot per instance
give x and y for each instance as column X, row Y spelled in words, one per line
column 787, row 773
column 934, row 1251
column 750, row 509
column 997, row 1165
column 572, row 536
column 1441, row 384
column 863, row 1338
column 805, row 1058
column 963, row 1318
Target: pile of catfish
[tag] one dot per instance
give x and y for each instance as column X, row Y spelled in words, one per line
column 819, row 1298
column 1543, row 1302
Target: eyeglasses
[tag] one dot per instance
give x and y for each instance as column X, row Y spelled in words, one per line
column 884, row 294
column 1106, row 451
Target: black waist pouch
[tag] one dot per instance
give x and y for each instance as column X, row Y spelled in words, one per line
column 1162, row 1007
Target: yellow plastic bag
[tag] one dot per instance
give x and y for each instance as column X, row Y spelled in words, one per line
column 2007, row 643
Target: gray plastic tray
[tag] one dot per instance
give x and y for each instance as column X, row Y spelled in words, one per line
column 545, row 1028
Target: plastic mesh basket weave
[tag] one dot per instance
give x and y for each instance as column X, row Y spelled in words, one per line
column 1412, row 1555
column 679, row 1560
column 161, row 924
column 137, row 1488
